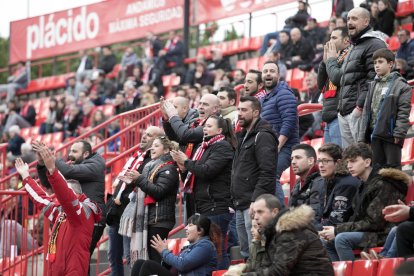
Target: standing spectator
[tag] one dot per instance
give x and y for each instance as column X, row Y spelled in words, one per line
column 314, row 34
column 253, row 84
column 254, row 166
column 15, row 142
column 19, row 80
column 209, row 176
column 385, row 118
column 86, row 167
column 73, row 87
column 300, row 18
column 280, row 110
column 108, row 60
column 309, row 186
column 154, row 46
column 227, row 98
column 342, row 7
column 357, row 70
column 218, row 61
column 302, row 51
column 73, row 215
column 329, row 76
column 129, row 59
column 367, row 227
column 406, row 50
column 386, row 18
column 85, row 66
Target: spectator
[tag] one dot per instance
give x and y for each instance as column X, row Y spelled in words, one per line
column 357, row 70
column 218, row 61
column 193, row 93
column 305, row 121
column 374, row 11
column 274, row 56
column 209, row 176
column 314, row 34
column 104, row 87
column 386, row 18
column 147, row 99
column 329, row 76
column 173, row 49
column 309, row 187
column 121, row 104
column 85, row 66
column 136, row 76
column 389, row 250
column 388, row 100
column 108, row 60
column 406, row 50
column 119, row 244
column 88, row 109
column 52, row 118
column 292, row 243
column 132, row 95
column 72, row 121
column 227, row 97
column 300, row 18
column 86, row 167
column 153, row 46
column 202, row 76
column 279, row 108
column 253, row 85
column 74, row 216
column 199, row 258
column 366, row 228
column 206, row 89
column 73, row 87
column 342, row 7
column 404, row 69
column 339, row 188
column 15, row 142
column 28, row 156
column 19, row 80
column 341, row 22
column 129, row 59
column 239, row 76
column 98, row 117
column 154, row 202
column 302, row 51
column 26, row 117
column 312, row 92
column 254, row 166
column 285, row 48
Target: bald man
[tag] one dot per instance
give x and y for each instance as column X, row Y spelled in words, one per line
column 187, row 114
column 302, row 52
column 357, row 71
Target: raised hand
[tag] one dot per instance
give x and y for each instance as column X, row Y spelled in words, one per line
column 48, row 158
column 22, row 168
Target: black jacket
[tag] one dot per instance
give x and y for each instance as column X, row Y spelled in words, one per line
column 212, row 178
column 304, row 49
column 254, row 165
column 357, row 70
column 385, row 22
column 90, row 173
column 163, row 190
column 285, row 51
column 107, row 63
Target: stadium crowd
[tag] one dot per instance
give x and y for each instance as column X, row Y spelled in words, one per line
column 230, row 148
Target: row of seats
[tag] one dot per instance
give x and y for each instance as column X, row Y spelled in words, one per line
column 45, row 84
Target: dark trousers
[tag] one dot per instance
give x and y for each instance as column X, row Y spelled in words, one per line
column 96, row 236
column 154, row 231
column 223, row 221
column 146, row 268
column 385, row 153
column 405, row 239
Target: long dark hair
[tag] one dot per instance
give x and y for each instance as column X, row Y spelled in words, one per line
column 208, row 228
column 226, row 126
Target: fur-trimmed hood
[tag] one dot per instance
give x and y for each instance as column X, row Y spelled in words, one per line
column 295, row 218
column 395, row 175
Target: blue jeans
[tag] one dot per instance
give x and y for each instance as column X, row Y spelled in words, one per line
column 390, row 246
column 266, row 40
column 345, row 243
column 332, row 133
column 283, row 162
column 119, row 246
column 244, row 226
column 223, row 222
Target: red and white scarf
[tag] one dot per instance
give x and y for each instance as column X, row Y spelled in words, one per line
column 189, row 147
column 189, row 180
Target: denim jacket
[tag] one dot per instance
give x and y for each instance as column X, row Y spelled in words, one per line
column 196, row 259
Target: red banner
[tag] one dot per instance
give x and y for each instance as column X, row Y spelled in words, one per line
column 211, row 10
column 91, row 26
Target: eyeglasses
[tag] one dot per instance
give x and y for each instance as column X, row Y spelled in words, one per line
column 324, row 161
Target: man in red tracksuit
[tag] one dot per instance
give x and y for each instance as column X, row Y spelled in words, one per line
column 73, row 214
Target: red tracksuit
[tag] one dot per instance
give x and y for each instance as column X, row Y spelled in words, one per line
column 74, row 236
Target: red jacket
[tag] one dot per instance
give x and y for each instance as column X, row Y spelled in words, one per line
column 75, row 232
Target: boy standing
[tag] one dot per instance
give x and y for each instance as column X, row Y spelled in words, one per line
column 385, row 117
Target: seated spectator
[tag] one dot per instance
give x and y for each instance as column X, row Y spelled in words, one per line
column 19, row 80
column 285, row 48
column 218, row 61
column 15, row 142
column 367, row 227
column 311, row 91
column 104, row 87
column 389, row 249
column 73, row 120
column 107, row 61
column 52, row 118
column 239, row 76
column 274, row 56
column 88, row 109
column 299, row 20
column 136, row 76
column 206, row 89
column 202, row 76
column 28, row 155
column 404, row 69
column 341, row 22
column 73, row 87
column 26, row 117
column 198, row 258
column 121, row 104
column 129, row 59
column 302, row 52
column 309, row 187
column 314, row 34
column 193, row 94
column 227, row 97
column 386, row 18
column 339, row 187
column 291, row 242
column 147, row 99
column 132, row 95
column 406, row 50
column 98, row 117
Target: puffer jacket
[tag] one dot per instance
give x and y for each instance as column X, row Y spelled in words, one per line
column 163, row 190
column 212, row 178
column 393, row 115
column 381, row 189
column 254, row 165
column 279, row 108
column 358, row 70
column 293, row 246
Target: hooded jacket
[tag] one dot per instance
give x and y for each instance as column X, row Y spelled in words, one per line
column 254, row 165
column 293, row 246
column 279, row 108
column 358, row 70
column 380, row 190
column 393, row 115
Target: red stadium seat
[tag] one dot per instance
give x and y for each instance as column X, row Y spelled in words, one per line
column 297, row 78
column 242, row 64
column 256, row 43
column 285, row 177
column 317, row 143
column 386, row 266
column 173, row 245
column 244, row 44
column 114, row 73
column 342, row 268
column 218, row 272
column 364, row 268
column 262, row 60
column 253, row 63
column 407, row 154
column 405, row 8
column 407, row 26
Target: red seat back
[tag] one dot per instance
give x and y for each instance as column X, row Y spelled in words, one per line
column 386, row 266
column 343, row 268
column 364, row 268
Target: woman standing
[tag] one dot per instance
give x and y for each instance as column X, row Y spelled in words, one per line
column 209, row 175
column 151, row 212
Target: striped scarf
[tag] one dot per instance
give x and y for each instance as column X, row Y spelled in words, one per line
column 329, row 91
